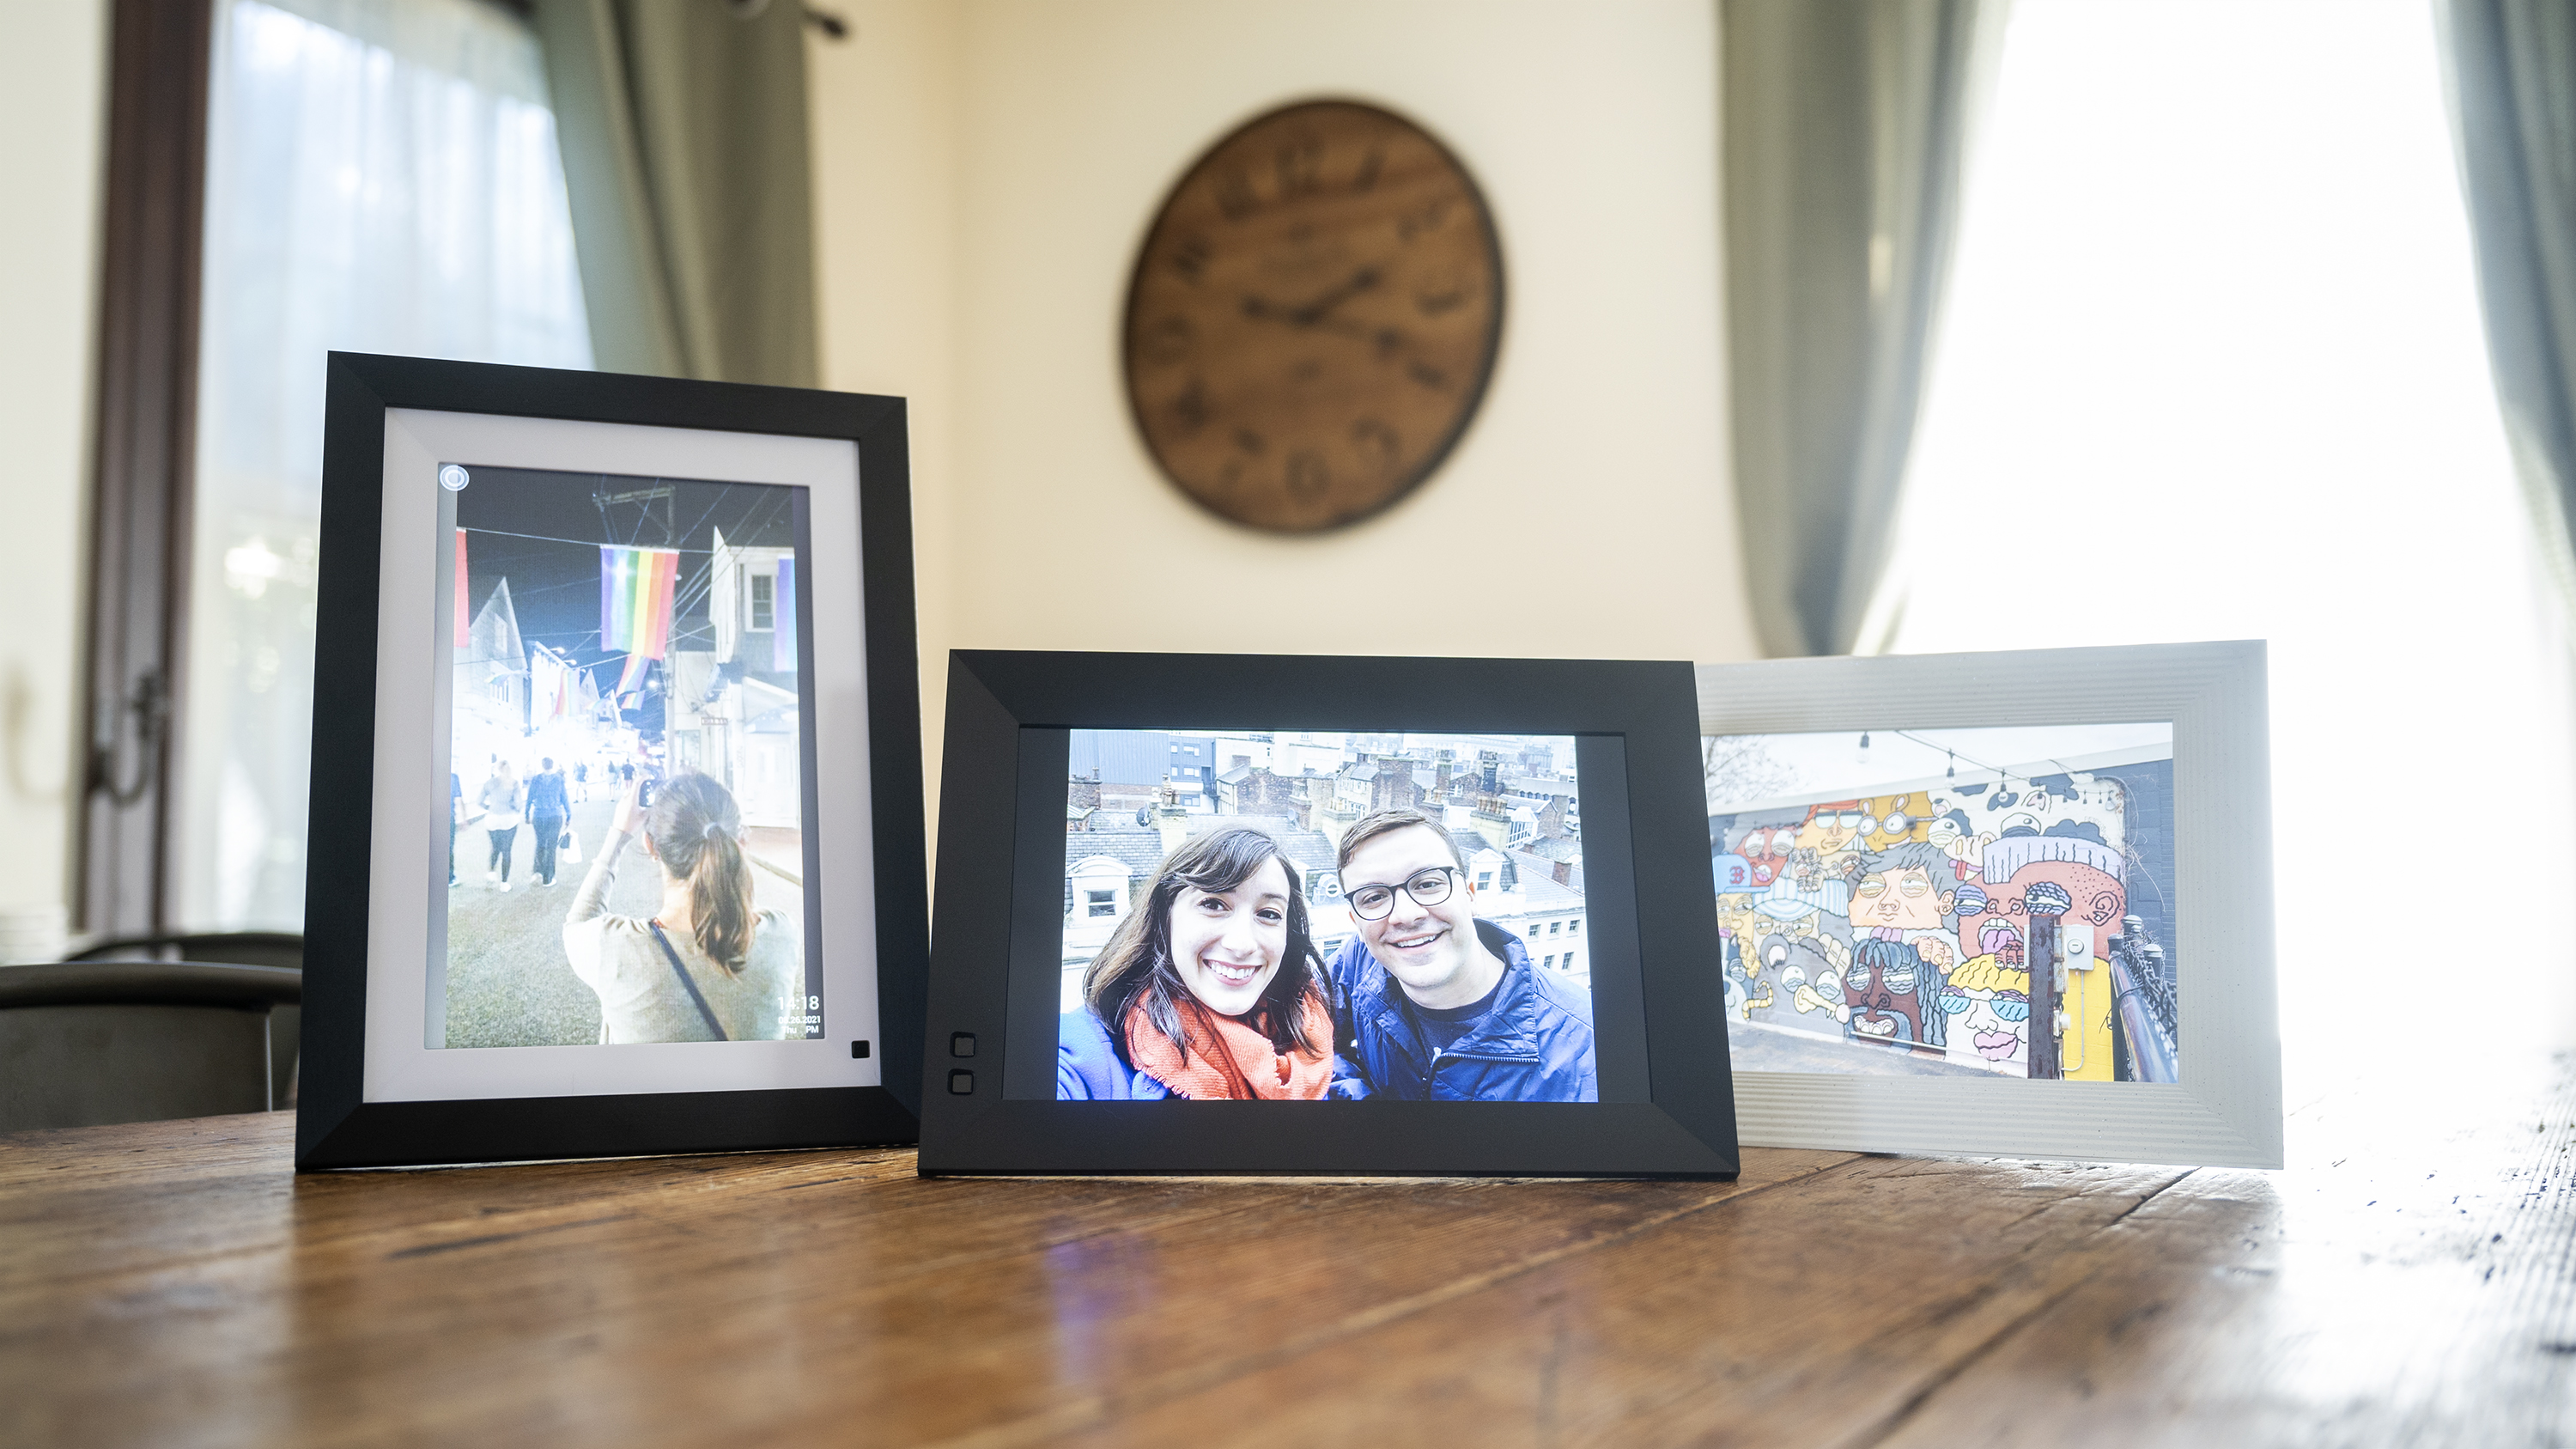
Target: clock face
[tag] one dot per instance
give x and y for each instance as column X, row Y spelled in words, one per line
column 1313, row 317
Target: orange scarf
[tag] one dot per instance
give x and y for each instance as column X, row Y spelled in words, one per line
column 1228, row 1058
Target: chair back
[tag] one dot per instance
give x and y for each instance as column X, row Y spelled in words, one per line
column 87, row 1043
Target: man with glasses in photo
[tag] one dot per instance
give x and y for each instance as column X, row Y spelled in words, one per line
column 1432, row 1004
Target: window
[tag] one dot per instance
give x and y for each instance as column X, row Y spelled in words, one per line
column 1574, row 927
column 1554, row 926
column 1101, row 903
column 764, row 601
column 2212, row 367
column 381, row 178
column 1549, row 962
column 1484, row 880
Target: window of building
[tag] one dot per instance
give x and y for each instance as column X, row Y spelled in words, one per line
column 1484, row 880
column 1550, row 961
column 1574, row 927
column 379, row 178
column 1101, row 903
column 764, row 601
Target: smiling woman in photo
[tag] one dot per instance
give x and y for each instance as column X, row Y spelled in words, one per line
column 1210, row 989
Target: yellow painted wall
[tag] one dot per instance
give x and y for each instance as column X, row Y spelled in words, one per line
column 985, row 170
column 52, row 96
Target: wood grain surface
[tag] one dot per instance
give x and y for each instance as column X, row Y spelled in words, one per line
column 2411, row 1279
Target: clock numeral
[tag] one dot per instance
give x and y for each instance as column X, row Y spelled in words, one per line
column 1376, row 441
column 1389, row 343
column 1307, row 476
column 1370, row 164
column 1190, row 257
column 1300, row 165
column 1423, row 219
column 1427, row 375
column 1190, row 410
column 1250, row 441
column 1230, row 477
column 1235, row 196
column 1167, row 341
column 1432, row 304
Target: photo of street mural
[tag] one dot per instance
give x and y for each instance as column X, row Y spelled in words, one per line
column 627, row 784
column 1944, row 902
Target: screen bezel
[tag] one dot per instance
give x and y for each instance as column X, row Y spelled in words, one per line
column 1658, row 1008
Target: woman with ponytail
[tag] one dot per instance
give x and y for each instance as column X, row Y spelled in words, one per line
column 707, row 965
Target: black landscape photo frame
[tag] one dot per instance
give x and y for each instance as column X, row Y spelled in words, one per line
column 402, row 437
column 1665, row 1103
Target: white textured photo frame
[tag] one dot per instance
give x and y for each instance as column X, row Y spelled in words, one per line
column 2226, row 1109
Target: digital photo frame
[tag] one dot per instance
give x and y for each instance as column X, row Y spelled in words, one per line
column 1232, row 914
column 2015, row 903
column 616, row 807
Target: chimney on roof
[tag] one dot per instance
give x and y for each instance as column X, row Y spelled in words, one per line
column 1171, row 820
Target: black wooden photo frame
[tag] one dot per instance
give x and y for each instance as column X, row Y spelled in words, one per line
column 995, row 1093
column 778, row 662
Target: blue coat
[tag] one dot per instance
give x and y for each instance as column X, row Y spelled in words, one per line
column 546, row 800
column 1087, row 1066
column 1535, row 1045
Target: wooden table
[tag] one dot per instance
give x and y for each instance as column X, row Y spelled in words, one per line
column 2412, row 1281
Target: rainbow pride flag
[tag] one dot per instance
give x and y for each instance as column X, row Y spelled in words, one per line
column 636, row 586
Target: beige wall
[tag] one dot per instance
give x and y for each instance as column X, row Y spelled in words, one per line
column 52, row 89
column 986, row 169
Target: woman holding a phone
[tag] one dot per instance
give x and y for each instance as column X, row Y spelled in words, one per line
column 707, row 965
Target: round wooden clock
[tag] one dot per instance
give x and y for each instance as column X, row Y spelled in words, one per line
column 1313, row 317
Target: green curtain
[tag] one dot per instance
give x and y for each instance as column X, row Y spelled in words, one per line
column 1843, row 128
column 2512, row 71
column 682, row 124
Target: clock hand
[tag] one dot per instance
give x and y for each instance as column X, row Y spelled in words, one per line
column 1314, row 312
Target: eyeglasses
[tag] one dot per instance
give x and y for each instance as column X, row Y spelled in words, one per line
column 1427, row 888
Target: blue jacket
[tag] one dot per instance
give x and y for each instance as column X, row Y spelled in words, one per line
column 546, row 799
column 1087, row 1067
column 1535, row 1045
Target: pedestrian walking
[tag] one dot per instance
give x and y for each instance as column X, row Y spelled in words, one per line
column 548, row 813
column 501, row 799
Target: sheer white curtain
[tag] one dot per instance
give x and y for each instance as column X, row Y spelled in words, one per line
column 2213, row 369
column 382, row 176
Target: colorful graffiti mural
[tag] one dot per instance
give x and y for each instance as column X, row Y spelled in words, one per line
column 2009, row 917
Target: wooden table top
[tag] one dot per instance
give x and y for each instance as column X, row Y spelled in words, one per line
column 2412, row 1280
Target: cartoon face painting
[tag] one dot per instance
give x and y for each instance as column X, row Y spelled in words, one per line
column 1766, row 848
column 1894, row 820
column 1833, row 827
column 1882, row 991
column 1988, row 1006
column 1905, row 888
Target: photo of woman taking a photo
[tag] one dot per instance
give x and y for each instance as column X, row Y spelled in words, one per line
column 1210, row 989
column 706, row 966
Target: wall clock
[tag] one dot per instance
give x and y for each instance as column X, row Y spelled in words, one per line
column 1313, row 317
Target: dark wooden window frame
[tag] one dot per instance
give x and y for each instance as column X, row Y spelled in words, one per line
column 158, row 70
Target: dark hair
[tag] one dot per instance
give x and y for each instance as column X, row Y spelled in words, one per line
column 1907, row 855
column 1136, row 962
column 1369, row 827
column 697, row 831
